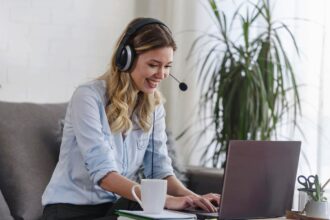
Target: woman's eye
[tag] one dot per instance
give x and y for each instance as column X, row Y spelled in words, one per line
column 152, row 65
column 168, row 67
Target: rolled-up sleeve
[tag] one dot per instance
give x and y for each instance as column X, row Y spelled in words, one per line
column 162, row 165
column 86, row 113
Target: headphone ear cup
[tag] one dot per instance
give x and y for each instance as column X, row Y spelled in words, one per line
column 125, row 58
column 125, row 54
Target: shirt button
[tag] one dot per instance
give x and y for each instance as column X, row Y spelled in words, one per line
column 86, row 164
column 111, row 144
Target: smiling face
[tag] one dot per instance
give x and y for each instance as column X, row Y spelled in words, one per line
column 151, row 68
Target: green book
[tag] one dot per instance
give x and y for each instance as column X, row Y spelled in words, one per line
column 166, row 214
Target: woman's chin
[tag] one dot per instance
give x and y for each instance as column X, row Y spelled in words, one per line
column 149, row 90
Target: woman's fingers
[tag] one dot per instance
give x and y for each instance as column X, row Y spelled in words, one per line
column 213, row 197
column 179, row 203
column 204, row 204
column 190, row 201
column 201, row 205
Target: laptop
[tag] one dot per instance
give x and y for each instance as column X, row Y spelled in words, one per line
column 259, row 180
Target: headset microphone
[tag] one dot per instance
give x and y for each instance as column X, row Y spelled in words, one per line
column 183, row 86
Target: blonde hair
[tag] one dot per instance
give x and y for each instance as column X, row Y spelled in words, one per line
column 121, row 93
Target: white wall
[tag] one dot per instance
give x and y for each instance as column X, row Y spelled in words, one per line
column 48, row 47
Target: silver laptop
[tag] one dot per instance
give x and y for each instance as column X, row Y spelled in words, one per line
column 259, row 179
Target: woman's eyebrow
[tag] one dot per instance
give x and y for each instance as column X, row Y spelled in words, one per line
column 157, row 61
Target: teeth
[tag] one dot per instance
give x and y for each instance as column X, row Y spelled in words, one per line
column 152, row 83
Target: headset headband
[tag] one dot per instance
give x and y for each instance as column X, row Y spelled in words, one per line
column 125, row 54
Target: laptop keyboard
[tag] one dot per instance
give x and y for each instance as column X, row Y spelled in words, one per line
column 197, row 210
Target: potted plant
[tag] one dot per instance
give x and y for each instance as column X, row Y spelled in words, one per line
column 317, row 205
column 247, row 81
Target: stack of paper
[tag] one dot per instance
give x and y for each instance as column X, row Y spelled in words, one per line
column 141, row 215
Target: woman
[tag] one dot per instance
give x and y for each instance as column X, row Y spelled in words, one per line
column 112, row 126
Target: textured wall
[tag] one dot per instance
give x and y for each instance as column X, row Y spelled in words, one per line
column 48, row 47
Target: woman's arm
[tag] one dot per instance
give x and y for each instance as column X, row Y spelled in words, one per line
column 118, row 184
column 179, row 196
column 176, row 188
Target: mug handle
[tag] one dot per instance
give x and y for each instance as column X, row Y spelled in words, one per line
column 135, row 196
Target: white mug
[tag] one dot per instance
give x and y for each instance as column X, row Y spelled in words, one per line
column 153, row 195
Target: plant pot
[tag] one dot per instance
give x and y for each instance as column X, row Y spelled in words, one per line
column 317, row 209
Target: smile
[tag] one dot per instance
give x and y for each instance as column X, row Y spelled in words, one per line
column 152, row 83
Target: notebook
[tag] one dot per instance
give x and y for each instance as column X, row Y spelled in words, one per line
column 165, row 215
column 259, row 180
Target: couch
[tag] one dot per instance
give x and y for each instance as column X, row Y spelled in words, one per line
column 29, row 149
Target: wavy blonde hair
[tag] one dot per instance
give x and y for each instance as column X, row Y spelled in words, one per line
column 121, row 93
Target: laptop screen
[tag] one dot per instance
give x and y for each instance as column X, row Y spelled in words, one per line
column 259, row 179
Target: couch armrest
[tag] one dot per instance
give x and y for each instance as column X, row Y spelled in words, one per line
column 202, row 180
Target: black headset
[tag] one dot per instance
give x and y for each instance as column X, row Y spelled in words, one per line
column 125, row 53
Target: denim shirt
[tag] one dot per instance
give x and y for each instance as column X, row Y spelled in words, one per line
column 89, row 150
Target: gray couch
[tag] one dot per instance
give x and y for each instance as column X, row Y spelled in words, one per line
column 29, row 149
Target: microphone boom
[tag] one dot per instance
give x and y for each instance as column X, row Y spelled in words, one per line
column 182, row 86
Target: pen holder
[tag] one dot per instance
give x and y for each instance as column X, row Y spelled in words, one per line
column 317, row 209
column 302, row 200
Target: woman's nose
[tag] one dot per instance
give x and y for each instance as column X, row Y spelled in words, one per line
column 162, row 73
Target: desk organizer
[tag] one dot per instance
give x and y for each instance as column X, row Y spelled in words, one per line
column 300, row 216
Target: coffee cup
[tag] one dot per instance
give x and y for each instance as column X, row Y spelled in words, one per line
column 153, row 195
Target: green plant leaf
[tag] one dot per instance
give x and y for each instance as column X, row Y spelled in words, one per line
column 245, row 80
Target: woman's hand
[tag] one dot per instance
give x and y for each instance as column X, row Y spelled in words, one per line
column 179, row 202
column 214, row 198
column 208, row 202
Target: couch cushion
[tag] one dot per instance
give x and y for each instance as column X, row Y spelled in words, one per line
column 4, row 211
column 28, row 154
column 203, row 180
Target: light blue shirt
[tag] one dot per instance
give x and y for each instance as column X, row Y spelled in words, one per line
column 89, row 150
